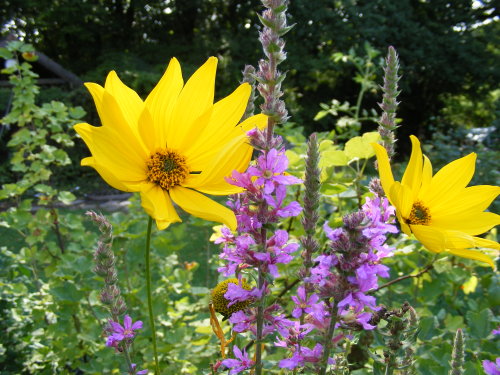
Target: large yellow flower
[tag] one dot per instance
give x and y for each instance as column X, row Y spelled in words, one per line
column 441, row 211
column 173, row 146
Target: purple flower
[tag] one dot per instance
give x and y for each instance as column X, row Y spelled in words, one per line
column 141, row 372
column 240, row 364
column 236, row 293
column 270, row 171
column 496, row 331
column 303, row 355
column 241, row 322
column 303, row 304
column 492, row 368
column 120, row 333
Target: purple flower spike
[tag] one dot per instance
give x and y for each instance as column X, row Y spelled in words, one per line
column 238, row 365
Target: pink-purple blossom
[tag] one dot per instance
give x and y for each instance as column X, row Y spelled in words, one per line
column 303, row 303
column 120, row 333
column 492, row 368
column 240, row 364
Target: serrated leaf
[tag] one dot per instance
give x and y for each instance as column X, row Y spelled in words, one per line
column 479, row 323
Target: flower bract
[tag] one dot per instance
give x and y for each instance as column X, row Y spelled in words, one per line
column 440, row 210
column 176, row 145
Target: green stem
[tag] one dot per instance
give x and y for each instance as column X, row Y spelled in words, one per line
column 127, row 358
column 150, row 299
column 260, row 326
column 327, row 343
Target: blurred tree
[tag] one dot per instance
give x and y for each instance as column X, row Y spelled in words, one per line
column 446, row 47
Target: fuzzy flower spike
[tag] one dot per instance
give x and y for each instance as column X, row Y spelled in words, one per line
column 177, row 145
column 440, row 210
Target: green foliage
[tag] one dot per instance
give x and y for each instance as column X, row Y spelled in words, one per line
column 38, row 146
column 349, row 118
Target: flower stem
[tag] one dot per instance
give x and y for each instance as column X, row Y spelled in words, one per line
column 150, row 300
column 328, row 339
column 260, row 326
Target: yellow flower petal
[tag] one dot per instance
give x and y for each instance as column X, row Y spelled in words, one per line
column 112, row 152
column 259, row 121
column 200, row 206
column 472, row 224
column 460, row 240
column 195, row 99
column 413, row 173
column 384, row 168
column 158, row 205
column 127, row 99
column 426, row 177
column 473, row 254
column 235, row 156
column 453, row 242
column 106, row 175
column 433, row 239
column 401, row 197
column 471, row 200
column 161, row 101
column 219, row 129
column 448, row 182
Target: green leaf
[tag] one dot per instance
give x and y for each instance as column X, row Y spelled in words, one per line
column 479, row 323
column 360, row 147
column 67, row 292
column 333, row 158
column 452, row 323
column 77, row 112
column 66, row 197
column 428, row 328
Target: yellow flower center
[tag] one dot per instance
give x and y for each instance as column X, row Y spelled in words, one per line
column 419, row 215
column 167, row 168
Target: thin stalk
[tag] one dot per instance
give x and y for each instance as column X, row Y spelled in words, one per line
column 127, row 359
column 260, row 326
column 150, row 299
column 327, row 345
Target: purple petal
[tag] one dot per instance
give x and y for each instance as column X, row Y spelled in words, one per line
column 230, row 362
column 137, row 325
column 127, row 322
column 117, row 327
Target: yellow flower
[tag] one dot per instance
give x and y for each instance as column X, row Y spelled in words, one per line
column 175, row 145
column 442, row 213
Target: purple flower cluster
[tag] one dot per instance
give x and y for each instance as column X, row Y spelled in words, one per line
column 255, row 248
column 352, row 266
column 335, row 289
column 262, row 203
column 345, row 272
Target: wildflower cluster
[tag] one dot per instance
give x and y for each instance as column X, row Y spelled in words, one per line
column 335, row 295
column 255, row 251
